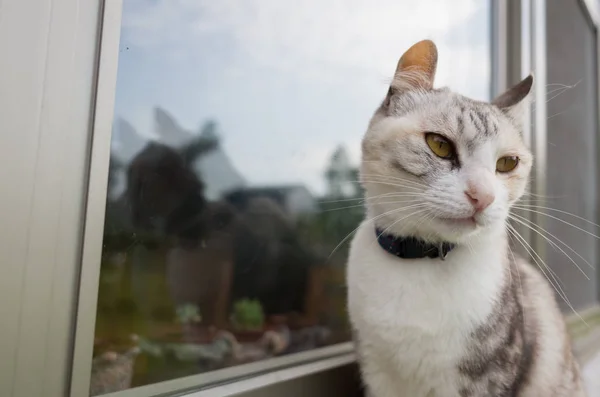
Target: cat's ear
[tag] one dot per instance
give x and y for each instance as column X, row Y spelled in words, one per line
column 416, row 67
column 516, row 100
column 415, row 70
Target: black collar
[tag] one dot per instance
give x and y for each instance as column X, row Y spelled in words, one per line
column 411, row 247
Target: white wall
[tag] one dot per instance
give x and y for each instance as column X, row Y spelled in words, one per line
column 46, row 84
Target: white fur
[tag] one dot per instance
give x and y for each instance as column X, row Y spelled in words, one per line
column 413, row 317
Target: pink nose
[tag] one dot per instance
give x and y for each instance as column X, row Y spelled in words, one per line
column 479, row 199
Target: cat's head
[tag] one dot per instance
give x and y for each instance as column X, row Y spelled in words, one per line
column 441, row 166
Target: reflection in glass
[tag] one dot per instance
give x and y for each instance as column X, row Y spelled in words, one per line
column 225, row 245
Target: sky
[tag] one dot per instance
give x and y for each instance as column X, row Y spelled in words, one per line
column 287, row 81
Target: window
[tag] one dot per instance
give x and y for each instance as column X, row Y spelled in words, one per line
column 233, row 173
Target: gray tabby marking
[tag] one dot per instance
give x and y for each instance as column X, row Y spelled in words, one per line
column 503, row 349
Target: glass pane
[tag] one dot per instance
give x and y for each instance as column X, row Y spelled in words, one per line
column 233, row 172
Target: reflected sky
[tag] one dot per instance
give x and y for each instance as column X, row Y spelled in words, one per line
column 286, row 81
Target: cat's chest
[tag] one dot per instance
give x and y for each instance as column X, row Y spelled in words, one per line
column 425, row 308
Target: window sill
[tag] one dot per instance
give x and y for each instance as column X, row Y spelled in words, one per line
column 248, row 377
column 274, row 377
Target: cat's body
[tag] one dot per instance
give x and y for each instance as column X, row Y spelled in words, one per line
column 483, row 322
column 451, row 328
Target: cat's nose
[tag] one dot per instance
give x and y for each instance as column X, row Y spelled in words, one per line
column 480, row 199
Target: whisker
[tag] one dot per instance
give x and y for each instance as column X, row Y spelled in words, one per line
column 362, row 198
column 560, row 90
column 561, row 293
column 431, row 215
column 370, row 220
column 558, row 219
column 537, row 257
column 560, row 211
column 513, row 217
column 428, row 215
column 548, row 268
column 362, row 205
column 396, row 222
column 559, row 113
column 395, row 194
column 543, row 196
column 558, row 84
column 557, row 239
column 342, row 200
column 394, row 178
column 384, row 182
column 530, row 200
column 563, row 90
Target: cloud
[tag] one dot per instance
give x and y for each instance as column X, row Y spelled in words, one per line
column 312, row 71
column 329, row 40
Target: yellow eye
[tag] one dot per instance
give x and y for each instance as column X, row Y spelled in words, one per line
column 507, row 164
column 439, row 145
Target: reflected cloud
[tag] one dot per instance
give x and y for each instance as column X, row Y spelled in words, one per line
column 254, row 65
column 327, row 39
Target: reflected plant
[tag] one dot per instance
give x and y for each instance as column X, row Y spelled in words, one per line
column 188, row 314
column 248, row 315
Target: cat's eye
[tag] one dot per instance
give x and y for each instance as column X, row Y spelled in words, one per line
column 439, row 145
column 507, row 163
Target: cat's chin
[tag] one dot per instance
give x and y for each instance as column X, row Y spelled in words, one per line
column 467, row 223
column 456, row 230
column 443, row 227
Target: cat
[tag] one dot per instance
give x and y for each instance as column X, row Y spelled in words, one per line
column 439, row 304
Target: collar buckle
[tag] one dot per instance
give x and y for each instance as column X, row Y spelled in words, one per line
column 443, row 252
